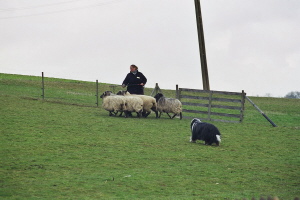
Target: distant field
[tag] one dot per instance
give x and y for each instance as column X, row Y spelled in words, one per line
column 64, row 147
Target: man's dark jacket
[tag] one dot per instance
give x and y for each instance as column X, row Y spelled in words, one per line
column 133, row 81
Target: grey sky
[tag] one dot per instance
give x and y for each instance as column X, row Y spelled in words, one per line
column 250, row 45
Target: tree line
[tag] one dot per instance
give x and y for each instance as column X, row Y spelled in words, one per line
column 293, row 95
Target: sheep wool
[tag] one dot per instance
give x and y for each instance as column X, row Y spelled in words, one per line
column 113, row 103
column 149, row 103
column 168, row 105
column 133, row 104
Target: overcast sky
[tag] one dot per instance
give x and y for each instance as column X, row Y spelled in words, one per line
column 250, row 45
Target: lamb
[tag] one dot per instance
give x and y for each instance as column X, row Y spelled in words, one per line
column 113, row 103
column 149, row 103
column 168, row 105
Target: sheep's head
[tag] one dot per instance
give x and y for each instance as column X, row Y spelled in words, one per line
column 123, row 92
column 106, row 93
column 158, row 96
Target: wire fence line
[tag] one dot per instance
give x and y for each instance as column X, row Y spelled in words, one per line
column 83, row 93
column 73, row 92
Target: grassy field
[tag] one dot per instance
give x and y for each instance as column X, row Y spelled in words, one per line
column 64, row 147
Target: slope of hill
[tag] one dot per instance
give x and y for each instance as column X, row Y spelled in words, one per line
column 64, row 147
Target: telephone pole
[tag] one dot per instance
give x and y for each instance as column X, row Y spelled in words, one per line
column 205, row 79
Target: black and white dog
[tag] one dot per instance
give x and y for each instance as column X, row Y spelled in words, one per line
column 205, row 131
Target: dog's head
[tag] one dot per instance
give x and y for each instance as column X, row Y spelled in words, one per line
column 195, row 120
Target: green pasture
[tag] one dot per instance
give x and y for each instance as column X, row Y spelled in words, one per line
column 64, row 147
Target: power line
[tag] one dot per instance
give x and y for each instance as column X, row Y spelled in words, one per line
column 64, row 10
column 39, row 6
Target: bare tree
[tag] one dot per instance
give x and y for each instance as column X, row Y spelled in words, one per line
column 293, row 95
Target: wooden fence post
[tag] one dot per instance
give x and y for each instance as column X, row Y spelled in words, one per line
column 242, row 106
column 43, row 86
column 209, row 104
column 155, row 90
column 97, row 93
column 177, row 92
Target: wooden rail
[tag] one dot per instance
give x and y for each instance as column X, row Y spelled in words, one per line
column 215, row 103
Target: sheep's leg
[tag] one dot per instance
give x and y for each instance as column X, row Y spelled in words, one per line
column 128, row 114
column 170, row 116
column 139, row 114
column 159, row 114
column 145, row 114
column 154, row 109
column 120, row 115
column 148, row 113
column 111, row 113
column 180, row 115
column 174, row 116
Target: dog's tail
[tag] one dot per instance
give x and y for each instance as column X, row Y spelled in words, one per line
column 218, row 138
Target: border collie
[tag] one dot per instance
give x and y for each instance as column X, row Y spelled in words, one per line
column 205, row 131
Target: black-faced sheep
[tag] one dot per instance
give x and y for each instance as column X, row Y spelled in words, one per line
column 149, row 103
column 168, row 105
column 113, row 103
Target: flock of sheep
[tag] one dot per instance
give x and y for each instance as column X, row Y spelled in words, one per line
column 124, row 102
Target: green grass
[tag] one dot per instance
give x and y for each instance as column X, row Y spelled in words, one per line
column 52, row 149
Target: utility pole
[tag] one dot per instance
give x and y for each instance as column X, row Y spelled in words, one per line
column 205, row 79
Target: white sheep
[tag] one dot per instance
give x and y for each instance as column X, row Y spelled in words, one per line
column 113, row 103
column 149, row 103
column 168, row 105
column 133, row 104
